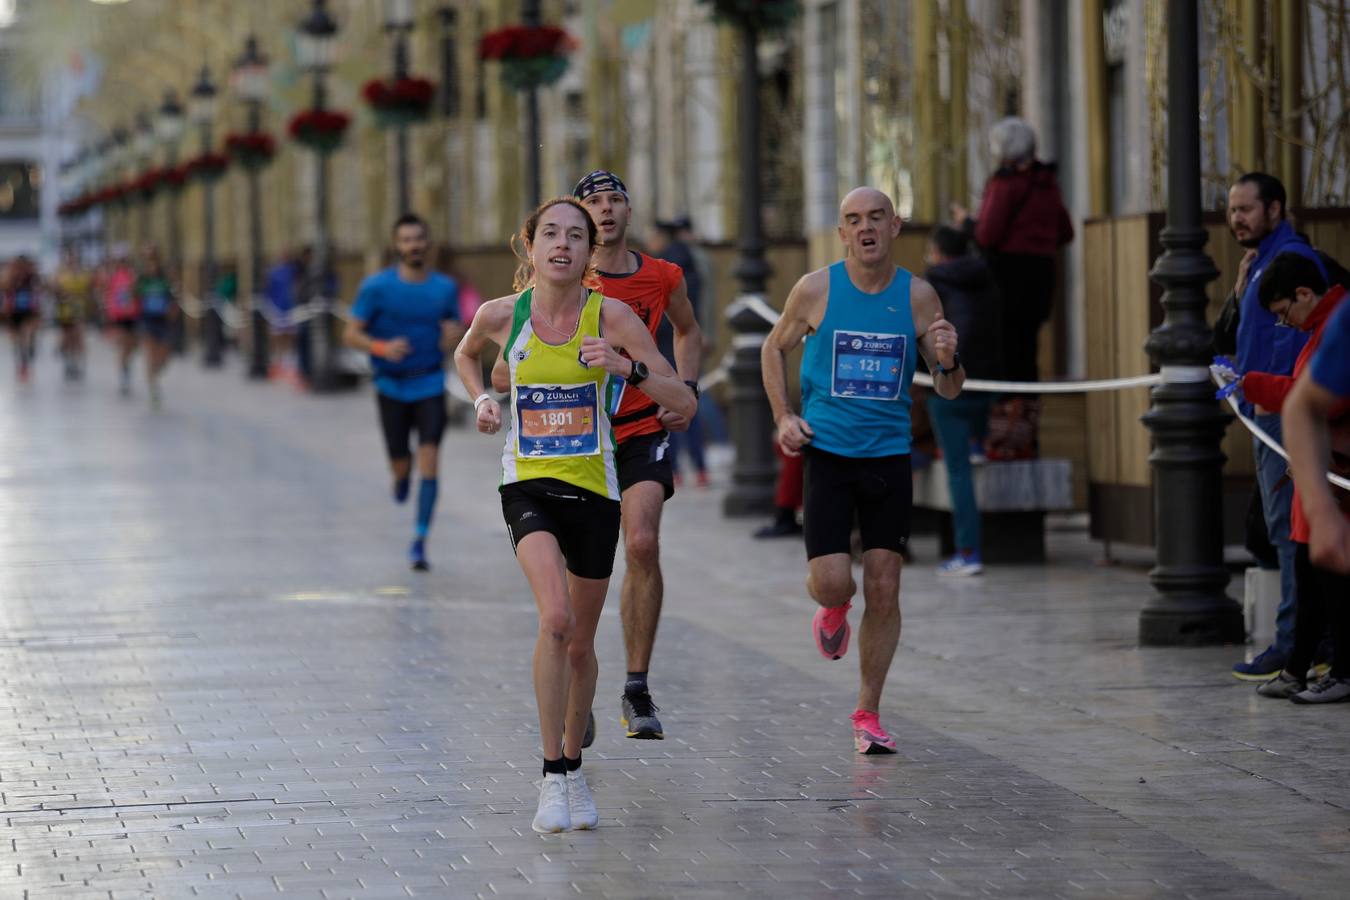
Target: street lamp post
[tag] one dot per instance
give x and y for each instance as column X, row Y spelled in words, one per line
column 530, row 18
column 449, row 63
column 202, row 111
column 1187, row 423
column 144, row 149
column 121, row 156
column 316, row 45
column 752, row 478
column 169, row 127
column 398, row 21
column 251, row 83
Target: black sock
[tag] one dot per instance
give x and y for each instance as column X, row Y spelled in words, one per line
column 571, row 764
column 555, row 767
column 636, row 684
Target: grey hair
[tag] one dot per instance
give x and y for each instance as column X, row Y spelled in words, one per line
column 1012, row 140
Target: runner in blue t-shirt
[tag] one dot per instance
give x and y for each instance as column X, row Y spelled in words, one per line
column 1317, row 433
column 407, row 319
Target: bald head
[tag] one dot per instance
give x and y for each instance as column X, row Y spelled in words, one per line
column 862, row 200
column 867, row 226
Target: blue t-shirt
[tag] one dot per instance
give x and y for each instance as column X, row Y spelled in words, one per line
column 392, row 308
column 1331, row 362
column 1261, row 345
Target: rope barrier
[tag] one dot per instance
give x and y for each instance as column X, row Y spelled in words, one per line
column 1048, row 387
column 1220, row 377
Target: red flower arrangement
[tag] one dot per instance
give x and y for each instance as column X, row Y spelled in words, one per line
column 147, row 183
column 530, row 56
column 251, row 149
column 174, row 177
column 319, row 129
column 401, row 101
column 208, row 166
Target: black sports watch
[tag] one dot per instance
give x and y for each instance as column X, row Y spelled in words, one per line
column 639, row 373
column 956, row 364
column 693, row 386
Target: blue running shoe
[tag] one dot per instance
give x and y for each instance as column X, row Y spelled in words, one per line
column 417, row 555
column 1265, row 667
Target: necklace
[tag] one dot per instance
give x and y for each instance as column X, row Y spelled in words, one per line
column 545, row 320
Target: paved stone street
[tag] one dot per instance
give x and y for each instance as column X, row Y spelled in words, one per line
column 219, row 679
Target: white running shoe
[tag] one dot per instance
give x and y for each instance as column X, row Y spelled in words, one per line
column 552, row 816
column 580, row 804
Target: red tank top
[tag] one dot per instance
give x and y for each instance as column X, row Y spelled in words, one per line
column 647, row 291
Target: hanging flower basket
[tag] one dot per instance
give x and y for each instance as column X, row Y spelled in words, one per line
column 251, row 149
column 761, row 15
column 174, row 178
column 320, row 130
column 402, row 101
column 207, row 167
column 531, row 57
column 148, row 184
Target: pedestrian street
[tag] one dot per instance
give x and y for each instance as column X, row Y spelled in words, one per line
column 220, row 679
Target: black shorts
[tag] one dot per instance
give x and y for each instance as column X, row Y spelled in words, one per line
column 156, row 328
column 645, row 457
column 19, row 316
column 877, row 491
column 127, row 325
column 585, row 524
column 398, row 420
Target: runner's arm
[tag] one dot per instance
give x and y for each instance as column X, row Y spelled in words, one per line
column 1308, row 443
column 625, row 331
column 688, row 334
column 489, row 326
column 452, row 332
column 938, row 339
column 802, row 313
column 354, row 335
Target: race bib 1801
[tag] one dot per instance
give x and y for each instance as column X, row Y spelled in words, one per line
column 867, row 366
column 557, row 420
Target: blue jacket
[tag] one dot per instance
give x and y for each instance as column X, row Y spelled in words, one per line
column 1262, row 346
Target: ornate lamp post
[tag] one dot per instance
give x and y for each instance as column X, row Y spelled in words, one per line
column 1187, row 423
column 449, row 65
column 398, row 21
column 530, row 18
column 316, row 47
column 169, row 128
column 202, row 112
column 251, row 84
column 143, row 149
column 753, row 476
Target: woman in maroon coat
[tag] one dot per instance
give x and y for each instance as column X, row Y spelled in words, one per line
column 1021, row 226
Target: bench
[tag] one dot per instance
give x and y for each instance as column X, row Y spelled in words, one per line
column 1013, row 498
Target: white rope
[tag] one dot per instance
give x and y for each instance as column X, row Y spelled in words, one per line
column 1222, row 380
column 1048, row 387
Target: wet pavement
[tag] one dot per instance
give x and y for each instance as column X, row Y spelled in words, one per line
column 220, row 679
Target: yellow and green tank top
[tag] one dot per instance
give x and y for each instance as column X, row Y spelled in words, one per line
column 560, row 409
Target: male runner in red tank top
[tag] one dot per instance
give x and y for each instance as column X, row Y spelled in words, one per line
column 653, row 288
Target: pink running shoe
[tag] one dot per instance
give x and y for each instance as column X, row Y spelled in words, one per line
column 868, row 735
column 830, row 628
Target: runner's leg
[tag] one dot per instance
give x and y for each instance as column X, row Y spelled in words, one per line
column 641, row 596
column 542, row 562
column 880, row 631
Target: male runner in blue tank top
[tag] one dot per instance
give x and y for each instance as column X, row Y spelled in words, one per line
column 407, row 319
column 862, row 319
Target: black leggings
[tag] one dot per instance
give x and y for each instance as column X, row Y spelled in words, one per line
column 1028, row 286
column 1323, row 602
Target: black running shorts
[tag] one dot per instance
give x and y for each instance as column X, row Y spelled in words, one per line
column 877, row 492
column 585, row 524
column 398, row 420
column 645, row 457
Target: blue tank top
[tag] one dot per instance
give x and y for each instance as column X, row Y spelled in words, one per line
column 857, row 369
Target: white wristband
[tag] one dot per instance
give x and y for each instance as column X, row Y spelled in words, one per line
column 479, row 401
